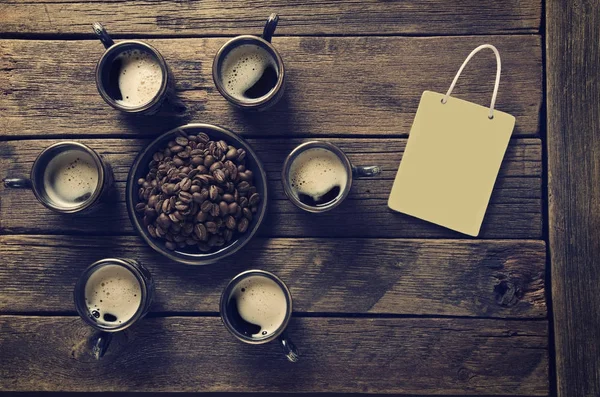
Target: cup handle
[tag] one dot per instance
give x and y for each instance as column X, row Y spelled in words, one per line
column 102, row 34
column 366, row 171
column 101, row 343
column 270, row 27
column 19, row 183
column 289, row 349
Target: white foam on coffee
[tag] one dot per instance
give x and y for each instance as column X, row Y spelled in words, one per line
column 140, row 77
column 114, row 290
column 261, row 301
column 70, row 176
column 243, row 67
column 316, row 171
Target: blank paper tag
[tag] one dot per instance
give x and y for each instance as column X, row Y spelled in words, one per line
column 451, row 162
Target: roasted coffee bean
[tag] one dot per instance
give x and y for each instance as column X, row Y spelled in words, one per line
column 233, row 208
column 186, row 184
column 177, row 148
column 200, row 231
column 243, row 187
column 158, row 206
column 166, row 206
column 140, row 207
column 178, row 161
column 179, row 206
column 228, row 198
column 158, row 156
column 209, row 160
column 152, row 231
column 150, row 213
column 243, row 202
column 241, row 155
column 190, row 241
column 185, row 197
column 163, row 221
column 219, row 176
column 230, row 222
column 215, row 166
column 247, row 214
column 253, row 200
column 231, row 153
column 202, row 216
column 195, row 189
column 197, row 197
column 175, row 228
column 216, row 241
column 238, row 213
column 153, row 200
column 181, row 141
column 197, row 160
column 215, row 210
column 213, row 192
column 170, row 246
column 174, row 218
column 243, row 225
column 179, row 238
column 211, row 227
column 227, row 235
column 224, row 208
column 206, row 206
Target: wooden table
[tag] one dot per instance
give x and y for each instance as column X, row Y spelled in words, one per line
column 384, row 303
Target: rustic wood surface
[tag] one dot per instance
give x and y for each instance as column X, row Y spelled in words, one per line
column 335, row 86
column 573, row 85
column 497, row 278
column 339, row 354
column 514, row 212
column 213, row 17
column 383, row 302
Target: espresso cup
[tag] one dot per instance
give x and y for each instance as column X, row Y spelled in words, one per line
column 110, row 296
column 317, row 176
column 248, row 71
column 256, row 307
column 131, row 76
column 67, row 177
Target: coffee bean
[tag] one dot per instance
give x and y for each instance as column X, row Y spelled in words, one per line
column 219, row 176
column 181, row 141
column 197, row 160
column 166, row 206
column 211, row 227
column 228, row 198
column 200, row 231
column 175, row 228
column 243, row 201
column 185, row 197
column 179, row 206
column 206, row 206
column 140, row 207
column 243, row 225
column 216, row 241
column 209, row 160
column 197, row 197
column 186, row 184
column 158, row 156
column 247, row 214
column 254, row 199
column 231, row 153
column 227, row 235
column 215, row 210
column 241, row 155
column 243, row 187
column 152, row 231
column 174, row 218
column 195, row 189
column 177, row 148
column 230, row 223
column 178, row 161
column 170, row 246
column 238, row 213
column 202, row 216
column 233, row 208
column 224, row 208
column 164, row 221
column 213, row 192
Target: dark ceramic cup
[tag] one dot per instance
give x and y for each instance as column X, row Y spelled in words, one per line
column 275, row 93
column 107, row 73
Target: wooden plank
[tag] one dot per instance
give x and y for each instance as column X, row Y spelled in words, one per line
column 499, row 278
column 245, row 17
column 424, row 356
column 573, row 86
column 515, row 210
column 336, row 86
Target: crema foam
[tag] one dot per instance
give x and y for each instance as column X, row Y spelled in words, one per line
column 113, row 295
column 317, row 176
column 71, row 178
column 140, row 77
column 248, row 72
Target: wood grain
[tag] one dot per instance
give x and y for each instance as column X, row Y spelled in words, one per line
column 335, row 86
column 213, row 17
column 515, row 210
column 498, row 278
column 573, row 88
column 424, row 356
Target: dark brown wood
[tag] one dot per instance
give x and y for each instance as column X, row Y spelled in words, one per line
column 306, row 18
column 424, row 356
column 336, row 86
column 426, row 277
column 573, row 86
column 515, row 210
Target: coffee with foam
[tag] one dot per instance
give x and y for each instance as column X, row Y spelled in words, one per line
column 317, row 176
column 257, row 306
column 249, row 72
column 113, row 295
column 139, row 77
column 70, row 178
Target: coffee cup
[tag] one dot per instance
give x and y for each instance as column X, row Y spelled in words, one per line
column 110, row 296
column 256, row 307
column 131, row 76
column 248, row 71
column 317, row 176
column 67, row 177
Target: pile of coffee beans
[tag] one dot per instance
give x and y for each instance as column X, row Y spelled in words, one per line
column 197, row 193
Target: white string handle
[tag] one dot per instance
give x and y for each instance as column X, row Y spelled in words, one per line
column 496, row 85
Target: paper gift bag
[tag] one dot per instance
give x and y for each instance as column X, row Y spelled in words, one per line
column 452, row 158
